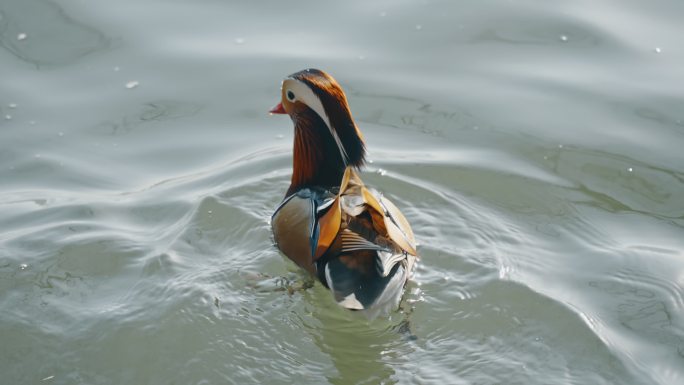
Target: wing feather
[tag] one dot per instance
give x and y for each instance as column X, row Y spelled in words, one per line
column 395, row 223
column 352, row 241
column 329, row 225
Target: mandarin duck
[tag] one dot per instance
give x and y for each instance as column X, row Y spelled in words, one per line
column 352, row 238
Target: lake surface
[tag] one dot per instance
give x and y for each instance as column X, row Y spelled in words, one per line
column 535, row 146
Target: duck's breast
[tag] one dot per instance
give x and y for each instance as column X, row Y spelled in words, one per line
column 292, row 225
column 305, row 224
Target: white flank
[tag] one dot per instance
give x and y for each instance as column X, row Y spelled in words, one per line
column 350, row 302
column 327, row 278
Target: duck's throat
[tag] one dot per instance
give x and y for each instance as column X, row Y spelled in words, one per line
column 317, row 161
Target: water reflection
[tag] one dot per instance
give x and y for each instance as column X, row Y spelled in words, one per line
column 362, row 351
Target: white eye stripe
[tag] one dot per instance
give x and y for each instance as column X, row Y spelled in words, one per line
column 308, row 97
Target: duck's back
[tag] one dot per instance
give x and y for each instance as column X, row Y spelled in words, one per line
column 356, row 242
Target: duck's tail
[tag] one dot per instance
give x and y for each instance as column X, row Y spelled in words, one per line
column 358, row 284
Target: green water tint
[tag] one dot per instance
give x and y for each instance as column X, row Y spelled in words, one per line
column 541, row 175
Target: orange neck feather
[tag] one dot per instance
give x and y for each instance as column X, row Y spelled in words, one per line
column 316, row 158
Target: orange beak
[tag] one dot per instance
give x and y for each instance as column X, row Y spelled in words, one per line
column 278, row 109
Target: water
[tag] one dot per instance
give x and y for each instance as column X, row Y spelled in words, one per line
column 535, row 146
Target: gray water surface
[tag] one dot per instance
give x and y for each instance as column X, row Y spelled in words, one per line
column 535, row 146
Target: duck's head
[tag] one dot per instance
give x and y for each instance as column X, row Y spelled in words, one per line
column 325, row 132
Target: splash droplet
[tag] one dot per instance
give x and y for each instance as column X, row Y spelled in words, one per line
column 23, row 266
column 657, row 50
column 60, row 133
column 117, row 69
column 418, row 27
column 12, row 105
column 239, row 40
column 8, row 117
column 630, row 169
column 22, row 36
column 383, row 14
column 132, row 84
column 564, row 38
column 382, row 172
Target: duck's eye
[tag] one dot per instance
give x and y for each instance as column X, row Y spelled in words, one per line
column 290, row 96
